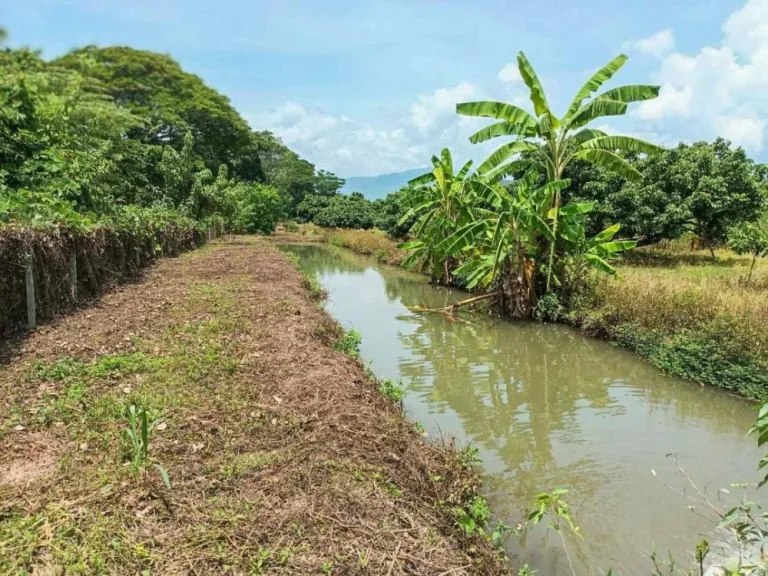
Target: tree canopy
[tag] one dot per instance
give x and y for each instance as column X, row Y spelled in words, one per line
column 702, row 188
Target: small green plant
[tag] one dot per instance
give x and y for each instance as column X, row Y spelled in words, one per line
column 293, row 258
column 548, row 308
column 469, row 456
column 474, row 516
column 364, row 558
column 327, row 568
column 393, row 391
column 137, row 437
column 552, row 505
column 313, row 286
column 349, row 343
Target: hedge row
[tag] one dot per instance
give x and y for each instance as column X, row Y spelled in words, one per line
column 104, row 254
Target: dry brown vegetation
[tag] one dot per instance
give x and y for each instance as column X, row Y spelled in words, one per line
column 283, row 456
column 690, row 315
column 369, row 242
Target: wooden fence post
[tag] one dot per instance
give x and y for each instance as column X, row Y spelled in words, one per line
column 29, row 281
column 73, row 275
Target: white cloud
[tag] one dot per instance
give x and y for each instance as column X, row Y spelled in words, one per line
column 510, row 73
column 356, row 148
column 657, row 45
column 721, row 90
column 431, row 110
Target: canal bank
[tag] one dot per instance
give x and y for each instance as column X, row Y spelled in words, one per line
column 548, row 408
column 278, row 453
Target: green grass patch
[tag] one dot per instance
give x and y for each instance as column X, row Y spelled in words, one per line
column 349, row 343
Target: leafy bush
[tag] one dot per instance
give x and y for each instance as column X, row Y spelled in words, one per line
column 750, row 238
column 257, row 208
column 346, row 212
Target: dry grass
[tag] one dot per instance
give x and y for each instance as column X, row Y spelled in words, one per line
column 689, row 315
column 283, row 456
column 671, row 291
column 370, row 242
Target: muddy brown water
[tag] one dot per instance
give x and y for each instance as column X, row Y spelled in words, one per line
column 549, row 408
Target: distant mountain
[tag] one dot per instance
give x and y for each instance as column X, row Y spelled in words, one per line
column 374, row 187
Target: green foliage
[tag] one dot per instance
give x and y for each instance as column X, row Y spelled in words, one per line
column 551, row 142
column 551, row 505
column 349, row 343
column 388, row 215
column 352, row 211
column 391, row 390
column 327, row 183
column 172, row 102
column 313, row 286
column 438, row 204
column 697, row 355
column 98, row 129
column 474, row 516
column 549, row 308
column 137, row 436
column 700, row 188
column 750, row 238
column 257, row 208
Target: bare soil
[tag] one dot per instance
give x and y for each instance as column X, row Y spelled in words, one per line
column 282, row 455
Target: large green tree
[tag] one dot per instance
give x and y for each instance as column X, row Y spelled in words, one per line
column 702, row 188
column 170, row 101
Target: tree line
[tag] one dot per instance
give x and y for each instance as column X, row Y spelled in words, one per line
column 98, row 129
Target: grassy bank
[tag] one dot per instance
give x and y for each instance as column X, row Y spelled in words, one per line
column 368, row 242
column 689, row 315
column 267, row 448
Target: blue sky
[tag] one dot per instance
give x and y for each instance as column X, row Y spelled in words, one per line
column 367, row 87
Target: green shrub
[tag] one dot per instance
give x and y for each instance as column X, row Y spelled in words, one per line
column 349, row 343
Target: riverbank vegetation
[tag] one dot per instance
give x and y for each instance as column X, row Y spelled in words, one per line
column 633, row 243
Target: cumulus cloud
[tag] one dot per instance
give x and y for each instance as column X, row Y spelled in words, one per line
column 510, row 73
column 431, row 110
column 657, row 45
column 351, row 147
column 719, row 91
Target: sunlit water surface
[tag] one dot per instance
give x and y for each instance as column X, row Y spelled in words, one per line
column 549, row 408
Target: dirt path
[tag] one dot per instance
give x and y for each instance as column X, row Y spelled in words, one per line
column 282, row 455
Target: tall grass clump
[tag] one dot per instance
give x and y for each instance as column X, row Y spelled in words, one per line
column 693, row 318
column 369, row 242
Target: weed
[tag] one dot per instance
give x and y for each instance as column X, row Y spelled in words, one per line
column 313, row 286
column 327, row 568
column 469, row 456
column 349, row 343
column 137, row 437
column 368, row 242
column 293, row 258
column 363, row 558
column 474, row 516
column 392, row 391
column 58, row 370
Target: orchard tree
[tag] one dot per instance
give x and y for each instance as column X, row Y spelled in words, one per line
column 327, row 183
column 750, row 238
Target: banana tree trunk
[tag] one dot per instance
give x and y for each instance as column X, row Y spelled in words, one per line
column 518, row 295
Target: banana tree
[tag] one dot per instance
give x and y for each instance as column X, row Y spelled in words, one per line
column 440, row 201
column 549, row 142
column 506, row 241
